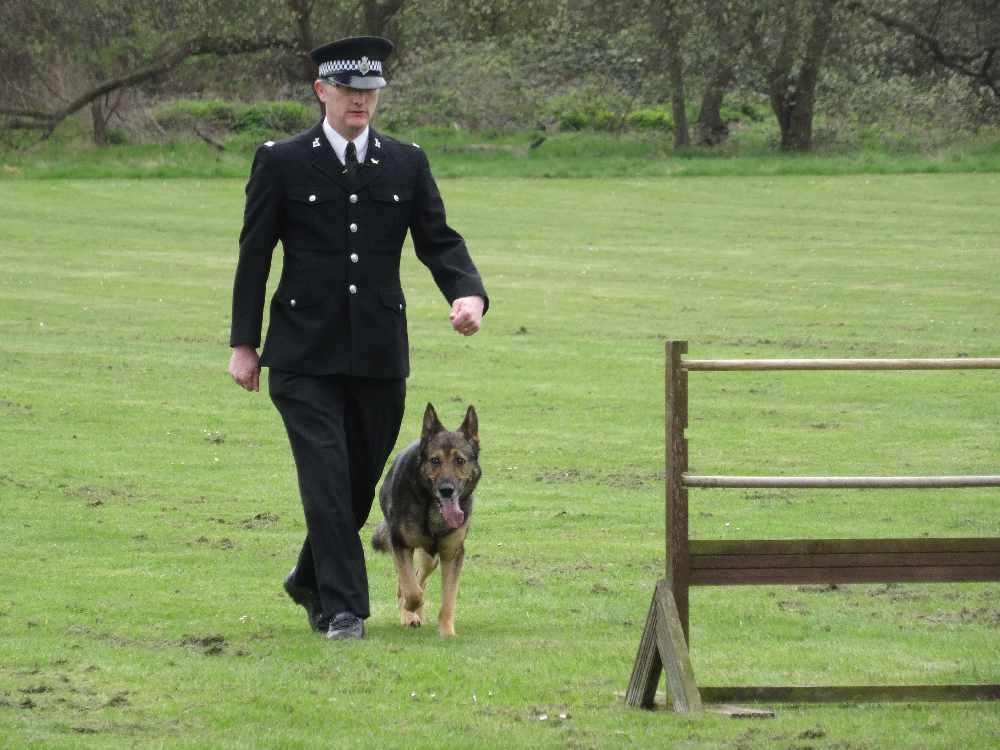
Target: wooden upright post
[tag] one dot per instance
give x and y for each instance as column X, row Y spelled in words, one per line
column 664, row 645
column 678, row 559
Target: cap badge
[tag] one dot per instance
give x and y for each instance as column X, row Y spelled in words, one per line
column 364, row 67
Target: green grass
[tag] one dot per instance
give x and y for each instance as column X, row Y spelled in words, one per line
column 458, row 153
column 149, row 506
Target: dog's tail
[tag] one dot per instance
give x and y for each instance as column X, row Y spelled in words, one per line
column 380, row 539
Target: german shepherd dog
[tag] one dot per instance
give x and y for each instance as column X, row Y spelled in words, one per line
column 426, row 498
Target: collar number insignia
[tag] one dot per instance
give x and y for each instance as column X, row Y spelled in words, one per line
column 378, row 144
column 364, row 67
column 315, row 142
column 374, row 161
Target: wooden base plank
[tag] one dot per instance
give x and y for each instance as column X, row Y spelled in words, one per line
column 886, row 574
column 674, row 652
column 850, row 693
column 870, row 560
column 919, row 545
column 662, row 703
column 739, row 712
column 648, row 667
column 663, row 648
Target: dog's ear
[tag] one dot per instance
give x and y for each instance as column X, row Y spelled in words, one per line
column 470, row 427
column 432, row 425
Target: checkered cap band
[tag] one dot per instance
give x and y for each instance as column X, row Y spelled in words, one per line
column 350, row 66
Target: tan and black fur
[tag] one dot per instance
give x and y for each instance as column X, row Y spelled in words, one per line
column 426, row 498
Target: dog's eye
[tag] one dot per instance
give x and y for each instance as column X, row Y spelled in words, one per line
column 435, row 461
column 459, row 460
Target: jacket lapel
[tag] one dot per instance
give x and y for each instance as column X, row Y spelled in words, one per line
column 324, row 158
column 376, row 160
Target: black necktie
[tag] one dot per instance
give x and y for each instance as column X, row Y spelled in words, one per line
column 351, row 159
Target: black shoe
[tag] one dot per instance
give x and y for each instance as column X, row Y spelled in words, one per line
column 306, row 598
column 346, row 625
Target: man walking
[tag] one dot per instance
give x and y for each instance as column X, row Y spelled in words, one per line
column 340, row 197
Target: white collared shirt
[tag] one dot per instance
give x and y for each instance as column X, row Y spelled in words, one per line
column 339, row 143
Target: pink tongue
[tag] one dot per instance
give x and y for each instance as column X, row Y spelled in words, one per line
column 453, row 515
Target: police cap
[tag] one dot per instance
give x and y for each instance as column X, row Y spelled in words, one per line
column 356, row 61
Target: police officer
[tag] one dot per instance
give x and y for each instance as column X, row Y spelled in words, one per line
column 340, row 197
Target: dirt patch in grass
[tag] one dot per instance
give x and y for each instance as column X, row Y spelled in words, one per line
column 13, row 407
column 224, row 543
column 260, row 521
column 611, row 479
column 211, row 645
column 95, row 497
column 896, row 593
column 988, row 616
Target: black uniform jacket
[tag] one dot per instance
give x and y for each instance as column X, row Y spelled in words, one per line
column 339, row 306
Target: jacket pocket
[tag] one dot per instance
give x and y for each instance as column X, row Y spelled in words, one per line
column 396, row 196
column 310, row 213
column 298, row 299
column 312, row 196
column 393, row 209
column 393, row 299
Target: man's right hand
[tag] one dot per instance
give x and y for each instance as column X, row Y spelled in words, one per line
column 244, row 366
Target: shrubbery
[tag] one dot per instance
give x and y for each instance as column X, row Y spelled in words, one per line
column 260, row 117
column 651, row 118
column 584, row 109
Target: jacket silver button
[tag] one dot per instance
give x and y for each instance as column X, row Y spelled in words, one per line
column 352, row 289
column 292, row 303
column 353, row 227
column 354, row 257
column 312, row 198
column 353, row 198
column 395, row 198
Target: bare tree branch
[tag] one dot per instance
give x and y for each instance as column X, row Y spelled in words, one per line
column 163, row 63
column 960, row 62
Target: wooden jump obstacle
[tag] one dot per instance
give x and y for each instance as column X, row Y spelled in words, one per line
column 665, row 638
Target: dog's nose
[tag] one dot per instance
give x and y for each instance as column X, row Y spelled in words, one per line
column 446, row 491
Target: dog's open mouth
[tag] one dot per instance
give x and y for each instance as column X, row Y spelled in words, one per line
column 453, row 515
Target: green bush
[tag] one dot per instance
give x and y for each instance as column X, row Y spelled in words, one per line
column 591, row 118
column 739, row 109
column 285, row 117
column 651, row 118
column 117, row 137
column 236, row 117
column 573, row 121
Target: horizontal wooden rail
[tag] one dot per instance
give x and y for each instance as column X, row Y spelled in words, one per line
column 955, row 363
column 749, row 482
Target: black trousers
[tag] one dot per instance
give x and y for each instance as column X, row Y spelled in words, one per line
column 341, row 430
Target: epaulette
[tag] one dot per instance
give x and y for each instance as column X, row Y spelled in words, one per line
column 269, row 143
column 416, row 145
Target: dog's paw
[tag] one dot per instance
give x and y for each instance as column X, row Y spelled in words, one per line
column 409, row 619
column 446, row 629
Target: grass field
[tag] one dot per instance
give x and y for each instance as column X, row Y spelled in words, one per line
column 462, row 153
column 150, row 511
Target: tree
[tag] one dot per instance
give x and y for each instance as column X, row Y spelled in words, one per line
column 338, row 18
column 789, row 43
column 671, row 20
column 963, row 37
column 59, row 58
column 74, row 55
column 731, row 24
